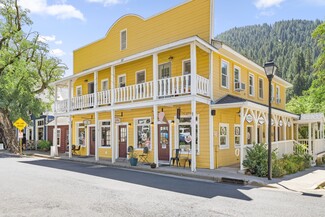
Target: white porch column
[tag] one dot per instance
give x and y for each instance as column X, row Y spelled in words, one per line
column 297, row 133
column 95, row 89
column 211, row 76
column 322, row 130
column 70, row 136
column 193, row 128
column 242, row 120
column 70, row 95
column 112, row 85
column 193, row 69
column 291, row 126
column 96, row 136
column 284, row 130
column 155, row 134
column 113, row 138
column 155, row 76
column 55, row 99
column 309, row 138
column 276, row 131
column 211, row 140
column 54, row 150
column 255, row 129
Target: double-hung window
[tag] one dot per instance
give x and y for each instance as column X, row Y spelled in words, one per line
column 251, row 85
column 121, row 81
column 237, row 135
column 224, row 74
column 123, row 39
column 261, row 88
column 104, row 85
column 236, row 75
column 223, row 136
column 278, row 99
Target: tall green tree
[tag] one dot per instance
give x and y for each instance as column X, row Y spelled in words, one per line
column 26, row 70
column 313, row 100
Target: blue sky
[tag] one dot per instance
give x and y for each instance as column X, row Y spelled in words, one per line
column 69, row 24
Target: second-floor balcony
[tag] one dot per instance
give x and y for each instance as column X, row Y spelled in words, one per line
column 166, row 87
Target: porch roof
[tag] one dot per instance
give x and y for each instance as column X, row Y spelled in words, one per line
column 230, row 101
column 61, row 121
column 311, row 118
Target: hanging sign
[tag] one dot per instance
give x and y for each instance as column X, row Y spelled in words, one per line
column 280, row 123
column 261, row 121
column 289, row 124
column 237, row 152
column 117, row 120
column 249, row 118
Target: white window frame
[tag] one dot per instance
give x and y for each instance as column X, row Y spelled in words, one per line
column 251, row 86
column 272, row 93
column 188, row 123
column 118, row 80
column 227, row 76
column 58, row 135
column 110, row 131
column 136, row 76
column 126, row 40
column 239, row 75
column 259, row 88
column 235, row 126
column 278, row 95
column 252, row 136
column 77, row 134
column 135, row 123
column 159, row 71
column 38, row 127
column 102, row 82
column 78, row 87
column 227, row 136
column 183, row 66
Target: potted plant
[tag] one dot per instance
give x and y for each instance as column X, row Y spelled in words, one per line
column 153, row 165
column 133, row 158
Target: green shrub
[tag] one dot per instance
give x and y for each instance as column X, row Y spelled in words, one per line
column 44, row 145
column 278, row 168
column 256, row 160
column 300, row 149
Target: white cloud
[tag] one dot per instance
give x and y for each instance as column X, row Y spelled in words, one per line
column 44, row 38
column 60, row 10
column 57, row 52
column 108, row 2
column 58, row 42
column 262, row 4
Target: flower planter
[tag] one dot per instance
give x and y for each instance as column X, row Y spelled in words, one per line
column 133, row 161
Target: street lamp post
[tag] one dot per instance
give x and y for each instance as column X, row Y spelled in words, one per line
column 270, row 69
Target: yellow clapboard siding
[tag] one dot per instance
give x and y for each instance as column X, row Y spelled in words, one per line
column 189, row 19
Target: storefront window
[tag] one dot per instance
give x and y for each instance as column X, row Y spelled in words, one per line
column 224, row 136
column 184, row 134
column 81, row 134
column 143, row 133
column 237, row 135
column 106, row 134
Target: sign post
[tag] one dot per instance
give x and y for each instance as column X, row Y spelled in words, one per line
column 20, row 124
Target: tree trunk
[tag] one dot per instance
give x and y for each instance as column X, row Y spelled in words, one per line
column 8, row 132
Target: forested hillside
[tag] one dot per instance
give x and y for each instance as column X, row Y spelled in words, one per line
column 288, row 43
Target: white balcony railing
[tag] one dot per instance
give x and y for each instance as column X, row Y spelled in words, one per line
column 134, row 92
column 167, row 87
column 81, row 102
column 104, row 97
column 62, row 106
column 174, row 86
column 203, row 85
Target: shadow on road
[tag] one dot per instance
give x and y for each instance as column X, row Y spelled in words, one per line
column 180, row 185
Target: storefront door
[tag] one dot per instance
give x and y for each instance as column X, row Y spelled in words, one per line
column 122, row 141
column 163, row 142
column 92, row 140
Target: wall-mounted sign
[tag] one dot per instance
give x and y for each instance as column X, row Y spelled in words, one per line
column 261, row 121
column 249, row 118
column 117, row 120
column 280, row 123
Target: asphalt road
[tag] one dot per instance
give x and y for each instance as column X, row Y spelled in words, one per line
column 41, row 187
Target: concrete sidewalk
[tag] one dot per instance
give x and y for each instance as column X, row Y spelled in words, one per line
column 306, row 180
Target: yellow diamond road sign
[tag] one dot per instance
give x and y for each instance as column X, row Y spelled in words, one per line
column 20, row 124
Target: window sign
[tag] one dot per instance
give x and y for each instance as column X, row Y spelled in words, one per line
column 143, row 132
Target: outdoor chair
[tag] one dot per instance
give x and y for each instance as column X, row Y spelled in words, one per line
column 130, row 150
column 175, row 157
column 75, row 149
column 144, row 156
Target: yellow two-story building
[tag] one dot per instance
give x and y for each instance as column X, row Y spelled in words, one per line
column 165, row 84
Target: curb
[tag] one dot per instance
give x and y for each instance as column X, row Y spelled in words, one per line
column 219, row 179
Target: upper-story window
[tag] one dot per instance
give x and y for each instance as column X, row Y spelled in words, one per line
column 225, row 74
column 91, row 87
column 186, row 67
column 251, row 85
column 261, row 88
column 272, row 92
column 123, row 39
column 121, row 81
column 164, row 70
column 236, row 75
column 104, row 84
column 141, row 77
column 278, row 98
column 79, row 91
